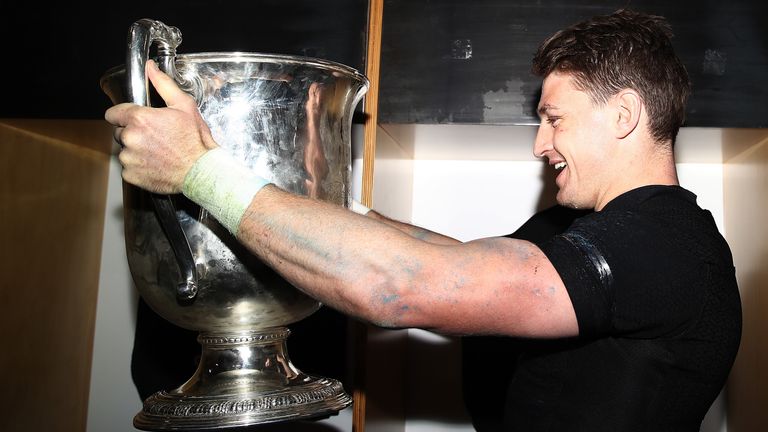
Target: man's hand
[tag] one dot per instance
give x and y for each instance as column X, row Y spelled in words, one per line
column 160, row 145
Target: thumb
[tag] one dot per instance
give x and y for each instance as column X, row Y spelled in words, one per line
column 167, row 88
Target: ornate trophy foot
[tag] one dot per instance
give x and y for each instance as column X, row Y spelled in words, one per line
column 243, row 379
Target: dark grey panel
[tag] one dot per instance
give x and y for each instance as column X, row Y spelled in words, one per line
column 54, row 55
column 468, row 61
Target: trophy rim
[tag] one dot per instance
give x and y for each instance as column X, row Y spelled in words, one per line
column 245, row 57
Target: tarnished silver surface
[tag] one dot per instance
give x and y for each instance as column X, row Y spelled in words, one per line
column 289, row 119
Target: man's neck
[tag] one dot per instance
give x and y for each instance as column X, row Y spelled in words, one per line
column 644, row 169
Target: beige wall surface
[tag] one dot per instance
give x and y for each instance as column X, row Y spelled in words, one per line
column 52, row 190
column 475, row 181
column 746, row 207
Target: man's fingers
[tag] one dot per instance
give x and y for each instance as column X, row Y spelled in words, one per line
column 167, row 88
column 117, row 134
column 118, row 114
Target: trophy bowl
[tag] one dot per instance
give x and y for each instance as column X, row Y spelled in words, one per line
column 287, row 118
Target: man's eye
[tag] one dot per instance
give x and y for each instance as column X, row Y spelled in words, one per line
column 553, row 121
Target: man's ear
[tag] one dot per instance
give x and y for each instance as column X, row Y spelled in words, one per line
column 629, row 107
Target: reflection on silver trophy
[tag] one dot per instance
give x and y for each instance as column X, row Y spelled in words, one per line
column 289, row 119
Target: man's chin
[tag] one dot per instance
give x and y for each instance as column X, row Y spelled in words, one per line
column 566, row 202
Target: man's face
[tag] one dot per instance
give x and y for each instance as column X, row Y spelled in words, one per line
column 574, row 136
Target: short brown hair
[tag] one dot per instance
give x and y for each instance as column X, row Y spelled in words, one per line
column 625, row 49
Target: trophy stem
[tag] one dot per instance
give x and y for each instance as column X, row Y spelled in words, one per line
column 243, row 378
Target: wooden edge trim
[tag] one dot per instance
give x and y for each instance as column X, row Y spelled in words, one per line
column 370, row 108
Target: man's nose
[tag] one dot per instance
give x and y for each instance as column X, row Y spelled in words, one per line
column 543, row 142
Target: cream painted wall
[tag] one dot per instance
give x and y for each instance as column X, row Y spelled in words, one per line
column 746, row 173
column 469, row 189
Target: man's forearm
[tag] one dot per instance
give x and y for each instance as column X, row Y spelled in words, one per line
column 414, row 231
column 357, row 264
column 362, row 265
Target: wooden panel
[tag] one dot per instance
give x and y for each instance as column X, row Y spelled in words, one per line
column 746, row 207
column 53, row 178
column 370, row 109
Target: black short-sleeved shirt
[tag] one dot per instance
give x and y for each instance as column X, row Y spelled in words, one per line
column 653, row 286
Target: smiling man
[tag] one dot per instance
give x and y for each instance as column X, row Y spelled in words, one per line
column 633, row 309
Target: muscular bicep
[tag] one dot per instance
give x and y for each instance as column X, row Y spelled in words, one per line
column 499, row 286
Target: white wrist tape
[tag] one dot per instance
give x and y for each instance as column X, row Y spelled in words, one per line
column 223, row 186
column 359, row 208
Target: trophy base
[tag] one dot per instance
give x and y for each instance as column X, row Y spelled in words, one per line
column 242, row 379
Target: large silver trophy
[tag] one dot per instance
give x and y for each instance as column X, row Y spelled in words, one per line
column 289, row 119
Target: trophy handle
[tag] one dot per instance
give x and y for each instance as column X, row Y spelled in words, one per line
column 143, row 33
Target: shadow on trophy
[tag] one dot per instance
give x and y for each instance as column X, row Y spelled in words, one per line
column 289, row 120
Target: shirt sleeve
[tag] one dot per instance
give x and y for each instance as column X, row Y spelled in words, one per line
column 587, row 277
column 627, row 275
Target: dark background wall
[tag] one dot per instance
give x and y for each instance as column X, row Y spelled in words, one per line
column 53, row 55
column 468, row 61
column 443, row 61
